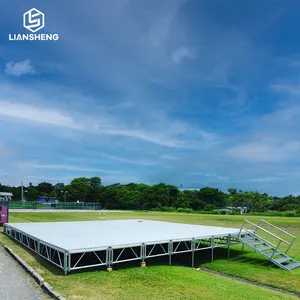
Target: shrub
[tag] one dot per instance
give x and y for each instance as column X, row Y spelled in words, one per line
column 185, row 210
column 290, row 214
column 277, row 213
column 168, row 209
column 209, row 207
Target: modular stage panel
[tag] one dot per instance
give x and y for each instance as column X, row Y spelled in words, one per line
column 77, row 245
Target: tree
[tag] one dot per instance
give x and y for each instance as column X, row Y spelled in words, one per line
column 59, row 186
column 32, row 193
column 94, row 189
column 213, row 196
column 95, row 182
column 79, row 188
column 45, row 188
column 162, row 196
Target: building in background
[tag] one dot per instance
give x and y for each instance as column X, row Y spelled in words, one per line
column 47, row 200
column 231, row 209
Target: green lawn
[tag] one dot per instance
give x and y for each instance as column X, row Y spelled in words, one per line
column 159, row 281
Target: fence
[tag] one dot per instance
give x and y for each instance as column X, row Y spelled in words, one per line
column 58, row 206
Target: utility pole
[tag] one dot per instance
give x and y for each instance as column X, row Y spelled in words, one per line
column 22, row 192
column 65, row 195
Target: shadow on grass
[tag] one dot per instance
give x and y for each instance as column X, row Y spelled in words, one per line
column 183, row 259
column 254, row 261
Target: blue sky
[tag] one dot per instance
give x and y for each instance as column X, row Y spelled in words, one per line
column 184, row 92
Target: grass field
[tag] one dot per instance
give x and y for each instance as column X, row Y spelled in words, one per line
column 159, row 281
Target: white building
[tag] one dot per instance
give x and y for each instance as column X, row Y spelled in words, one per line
column 5, row 196
column 243, row 209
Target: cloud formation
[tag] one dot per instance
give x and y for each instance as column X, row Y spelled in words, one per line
column 178, row 91
column 19, row 68
column 182, row 53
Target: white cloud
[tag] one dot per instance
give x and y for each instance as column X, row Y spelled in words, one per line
column 74, row 168
column 284, row 116
column 165, row 132
column 273, row 138
column 129, row 161
column 7, row 153
column 36, row 114
column 265, row 179
column 148, row 136
column 183, row 53
column 19, row 68
column 160, row 30
column 295, row 64
column 266, row 150
column 291, row 89
column 168, row 157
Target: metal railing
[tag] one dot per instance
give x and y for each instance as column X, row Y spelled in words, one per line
column 277, row 228
column 249, row 232
column 280, row 240
column 281, row 230
column 58, row 206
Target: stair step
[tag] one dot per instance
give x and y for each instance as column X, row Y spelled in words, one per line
column 248, row 238
column 264, row 248
column 248, row 241
column 275, row 254
column 292, row 265
column 282, row 259
column 256, row 243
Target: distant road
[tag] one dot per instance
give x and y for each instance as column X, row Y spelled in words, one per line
column 65, row 210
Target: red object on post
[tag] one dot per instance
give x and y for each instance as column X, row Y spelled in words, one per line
column 3, row 214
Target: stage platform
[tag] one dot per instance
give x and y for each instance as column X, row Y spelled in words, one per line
column 77, row 245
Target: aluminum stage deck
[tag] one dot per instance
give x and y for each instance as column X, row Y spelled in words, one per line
column 78, row 245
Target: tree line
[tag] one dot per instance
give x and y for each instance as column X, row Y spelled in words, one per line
column 160, row 196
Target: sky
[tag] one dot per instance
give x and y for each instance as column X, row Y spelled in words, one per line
column 187, row 92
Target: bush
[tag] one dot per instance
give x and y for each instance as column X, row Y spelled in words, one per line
column 290, row 214
column 185, row 210
column 277, row 213
column 267, row 213
column 208, row 212
column 168, row 209
column 209, row 207
column 156, row 209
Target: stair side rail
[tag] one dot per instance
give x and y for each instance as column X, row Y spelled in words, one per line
column 282, row 231
column 260, row 238
column 256, row 226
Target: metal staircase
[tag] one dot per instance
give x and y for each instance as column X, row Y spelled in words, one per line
column 262, row 239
